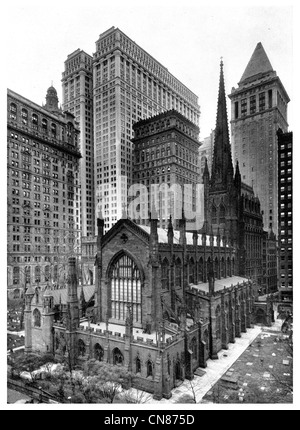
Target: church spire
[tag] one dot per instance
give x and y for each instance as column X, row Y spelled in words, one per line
column 222, row 168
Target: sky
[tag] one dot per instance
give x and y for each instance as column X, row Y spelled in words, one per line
column 186, row 37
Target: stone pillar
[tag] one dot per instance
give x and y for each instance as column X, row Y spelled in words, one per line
column 232, row 317
column 28, row 319
column 213, row 326
column 237, row 314
column 224, row 335
column 47, row 326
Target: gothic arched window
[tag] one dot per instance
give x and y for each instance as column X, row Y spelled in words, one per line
column 98, row 352
column 117, row 356
column 138, row 365
column 222, row 268
column 125, row 278
column 36, row 318
column 149, row 368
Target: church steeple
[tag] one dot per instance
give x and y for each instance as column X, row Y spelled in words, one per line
column 222, row 168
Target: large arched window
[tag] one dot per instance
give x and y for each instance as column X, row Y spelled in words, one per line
column 117, row 356
column 36, row 318
column 178, row 272
column 98, row 352
column 125, row 280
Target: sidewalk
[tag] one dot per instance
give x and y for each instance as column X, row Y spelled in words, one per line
column 214, row 370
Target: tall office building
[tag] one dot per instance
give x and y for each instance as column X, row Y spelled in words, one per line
column 165, row 167
column 285, row 214
column 129, row 85
column 77, row 88
column 42, row 191
column 258, row 110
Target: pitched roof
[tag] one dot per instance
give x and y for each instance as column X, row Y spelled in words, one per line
column 259, row 63
column 60, row 294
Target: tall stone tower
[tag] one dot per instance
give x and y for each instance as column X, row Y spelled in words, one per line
column 258, row 110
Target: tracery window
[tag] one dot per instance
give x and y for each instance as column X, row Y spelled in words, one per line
column 117, row 356
column 36, row 318
column 214, row 215
column 98, row 352
column 125, row 289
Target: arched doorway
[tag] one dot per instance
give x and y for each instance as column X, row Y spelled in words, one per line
column 260, row 316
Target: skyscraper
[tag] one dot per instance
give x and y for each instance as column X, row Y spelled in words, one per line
column 42, row 189
column 285, row 214
column 128, row 85
column 78, row 99
column 165, row 166
column 258, row 109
